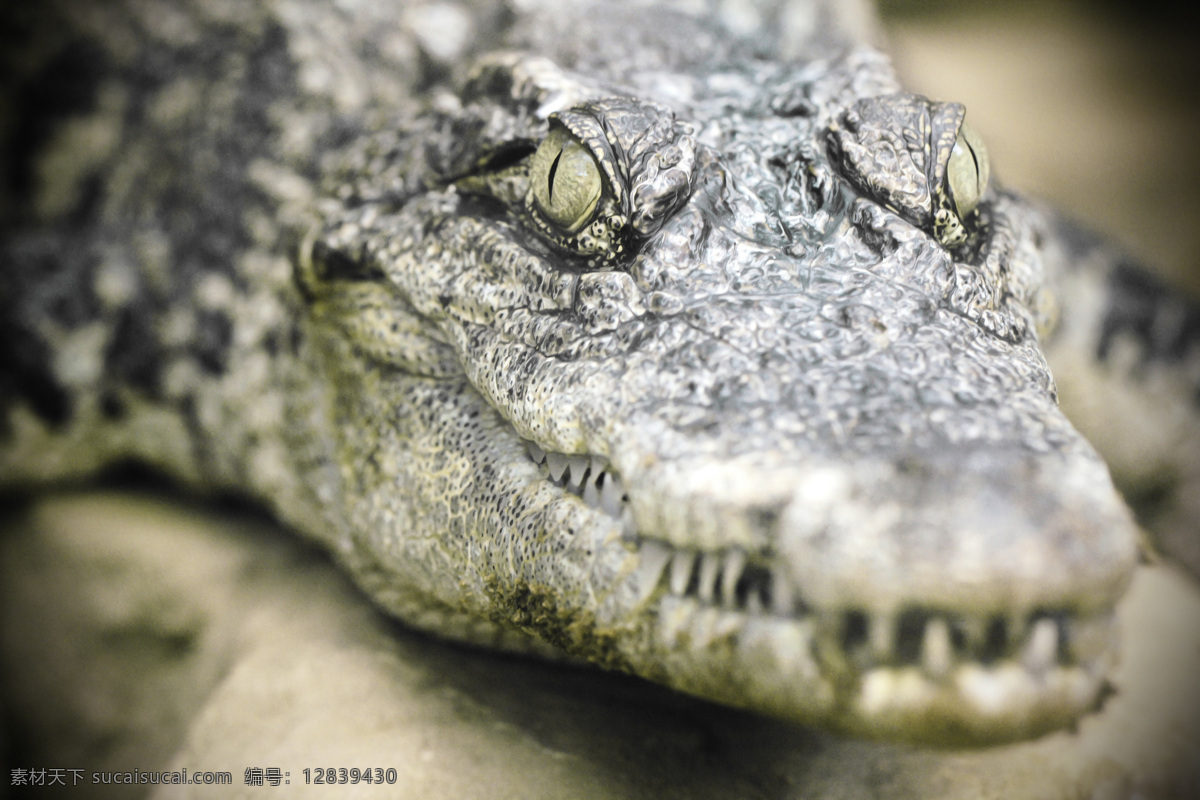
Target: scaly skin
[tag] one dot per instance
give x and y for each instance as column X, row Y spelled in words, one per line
column 770, row 425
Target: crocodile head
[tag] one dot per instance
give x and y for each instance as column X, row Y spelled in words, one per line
column 728, row 377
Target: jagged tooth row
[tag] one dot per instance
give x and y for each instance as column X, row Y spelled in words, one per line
column 713, row 578
column 724, row 579
column 934, row 641
column 937, row 642
column 588, row 477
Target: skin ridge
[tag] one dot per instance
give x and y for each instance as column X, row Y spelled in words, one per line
column 773, row 425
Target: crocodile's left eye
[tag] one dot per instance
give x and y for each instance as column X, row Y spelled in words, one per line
column 566, row 180
column 967, row 171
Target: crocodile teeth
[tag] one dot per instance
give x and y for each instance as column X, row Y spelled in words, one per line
column 681, row 571
column 654, row 558
column 557, row 463
column 937, row 655
column 628, row 526
column 735, row 562
column 783, row 595
column 591, row 495
column 612, row 495
column 578, row 473
column 1041, row 649
column 881, row 635
column 536, row 453
column 710, row 567
column 754, row 604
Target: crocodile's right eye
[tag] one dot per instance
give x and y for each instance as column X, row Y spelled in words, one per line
column 967, row 171
column 566, row 180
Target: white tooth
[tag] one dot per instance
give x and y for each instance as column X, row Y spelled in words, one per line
column 735, row 562
column 783, row 597
column 590, row 495
column 704, row 627
column 674, row 616
column 1041, row 649
column 882, row 633
column 535, row 452
column 681, row 571
column 558, row 465
column 710, row 565
column 578, row 465
column 628, row 526
column 610, row 495
column 936, row 654
column 654, row 558
column 754, row 603
column 597, row 464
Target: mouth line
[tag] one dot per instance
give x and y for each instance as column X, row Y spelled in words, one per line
column 937, row 642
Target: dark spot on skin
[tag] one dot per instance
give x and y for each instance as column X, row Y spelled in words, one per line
column 111, row 406
column 528, row 609
column 214, row 333
column 296, row 338
column 44, row 279
column 196, row 432
column 133, row 354
column 1145, row 308
column 25, row 374
column 338, row 265
column 65, row 86
column 52, row 279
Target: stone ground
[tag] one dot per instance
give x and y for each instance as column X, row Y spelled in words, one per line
column 140, row 632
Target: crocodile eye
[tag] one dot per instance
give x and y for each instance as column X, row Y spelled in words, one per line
column 967, row 171
column 566, row 180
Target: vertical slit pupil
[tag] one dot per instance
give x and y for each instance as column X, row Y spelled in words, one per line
column 974, row 160
column 550, row 176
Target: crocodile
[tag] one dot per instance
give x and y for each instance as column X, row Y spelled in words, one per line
column 684, row 342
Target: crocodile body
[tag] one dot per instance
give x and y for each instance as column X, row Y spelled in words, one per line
column 628, row 334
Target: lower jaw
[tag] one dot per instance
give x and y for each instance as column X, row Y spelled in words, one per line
column 782, row 667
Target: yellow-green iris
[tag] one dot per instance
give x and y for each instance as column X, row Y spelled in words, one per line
column 967, row 172
column 566, row 180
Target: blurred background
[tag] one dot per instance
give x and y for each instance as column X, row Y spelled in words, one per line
column 1090, row 105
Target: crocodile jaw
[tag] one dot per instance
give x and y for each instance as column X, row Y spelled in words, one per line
column 935, row 624
column 793, row 630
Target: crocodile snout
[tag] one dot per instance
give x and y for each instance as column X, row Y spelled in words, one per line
column 983, row 530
